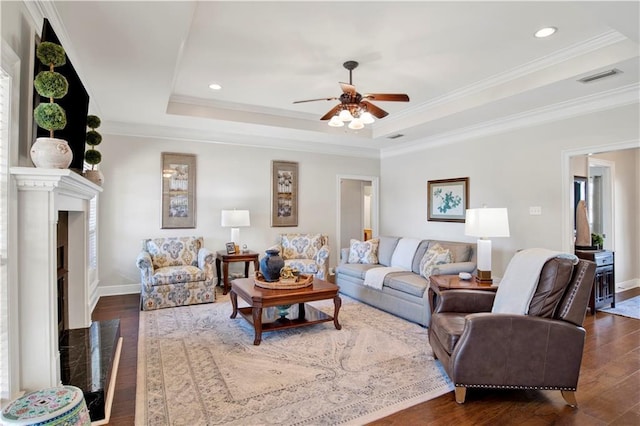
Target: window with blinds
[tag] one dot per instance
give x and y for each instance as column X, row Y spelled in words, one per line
column 5, row 92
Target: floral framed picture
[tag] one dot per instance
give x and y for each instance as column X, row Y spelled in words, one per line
column 284, row 193
column 178, row 190
column 447, row 199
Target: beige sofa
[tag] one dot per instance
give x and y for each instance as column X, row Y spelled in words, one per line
column 403, row 293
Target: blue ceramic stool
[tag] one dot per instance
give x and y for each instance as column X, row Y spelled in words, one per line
column 63, row 405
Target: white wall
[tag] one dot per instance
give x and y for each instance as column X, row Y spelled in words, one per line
column 227, row 177
column 627, row 193
column 515, row 169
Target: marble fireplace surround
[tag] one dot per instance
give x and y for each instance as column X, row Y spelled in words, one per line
column 42, row 193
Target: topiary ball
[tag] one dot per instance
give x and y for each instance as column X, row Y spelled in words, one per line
column 50, row 116
column 51, row 53
column 92, row 157
column 93, row 138
column 93, row 121
column 51, row 84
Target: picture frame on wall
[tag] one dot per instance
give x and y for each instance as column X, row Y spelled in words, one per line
column 284, row 193
column 447, row 200
column 178, row 190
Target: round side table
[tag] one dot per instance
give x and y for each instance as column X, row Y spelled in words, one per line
column 63, row 405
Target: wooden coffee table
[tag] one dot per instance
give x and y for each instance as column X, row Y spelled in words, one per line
column 259, row 298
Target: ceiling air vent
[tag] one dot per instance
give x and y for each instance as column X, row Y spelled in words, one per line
column 600, row 75
column 396, row 136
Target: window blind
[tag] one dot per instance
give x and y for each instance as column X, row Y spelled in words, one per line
column 5, row 90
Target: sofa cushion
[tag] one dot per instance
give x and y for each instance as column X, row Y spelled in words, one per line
column 357, row 270
column 300, row 246
column 420, row 251
column 305, row 266
column 448, row 327
column 407, row 282
column 554, row 279
column 173, row 251
column 386, row 248
column 403, row 254
column 436, row 255
column 177, row 274
column 460, row 252
column 364, row 251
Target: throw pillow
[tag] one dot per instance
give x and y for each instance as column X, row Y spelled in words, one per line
column 436, row 255
column 364, row 251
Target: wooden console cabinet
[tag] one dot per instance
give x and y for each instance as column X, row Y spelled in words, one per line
column 604, row 287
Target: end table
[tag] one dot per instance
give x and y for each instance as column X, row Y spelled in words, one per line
column 225, row 258
column 439, row 283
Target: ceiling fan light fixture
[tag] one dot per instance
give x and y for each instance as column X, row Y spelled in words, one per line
column 345, row 115
column 367, row 118
column 356, row 124
column 336, row 122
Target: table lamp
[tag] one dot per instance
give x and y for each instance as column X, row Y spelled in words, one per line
column 486, row 223
column 235, row 219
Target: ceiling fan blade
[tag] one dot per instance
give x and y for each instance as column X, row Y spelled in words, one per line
column 332, row 112
column 374, row 110
column 319, row 99
column 393, row 97
column 348, row 88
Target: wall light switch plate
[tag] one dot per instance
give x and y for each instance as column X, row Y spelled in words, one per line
column 535, row 211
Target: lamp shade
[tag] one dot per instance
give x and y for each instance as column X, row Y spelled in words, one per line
column 487, row 223
column 235, row 218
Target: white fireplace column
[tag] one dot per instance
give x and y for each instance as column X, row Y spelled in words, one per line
column 42, row 193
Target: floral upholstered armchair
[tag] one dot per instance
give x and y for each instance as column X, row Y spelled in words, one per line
column 175, row 271
column 308, row 253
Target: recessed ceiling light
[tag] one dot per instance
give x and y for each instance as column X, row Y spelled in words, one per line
column 545, row 32
column 215, row 86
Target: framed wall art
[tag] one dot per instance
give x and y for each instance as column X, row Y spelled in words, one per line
column 284, row 193
column 178, row 190
column 447, row 199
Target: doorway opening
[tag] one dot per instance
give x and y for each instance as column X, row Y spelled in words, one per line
column 357, row 209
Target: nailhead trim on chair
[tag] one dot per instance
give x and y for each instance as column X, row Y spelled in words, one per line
column 517, row 387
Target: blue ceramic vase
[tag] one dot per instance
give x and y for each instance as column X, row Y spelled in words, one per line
column 270, row 265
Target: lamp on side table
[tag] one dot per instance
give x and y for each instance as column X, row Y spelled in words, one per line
column 235, row 219
column 486, row 223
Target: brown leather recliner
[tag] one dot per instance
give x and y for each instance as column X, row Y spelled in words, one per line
column 541, row 350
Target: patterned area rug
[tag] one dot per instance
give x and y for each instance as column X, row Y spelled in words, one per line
column 628, row 308
column 196, row 366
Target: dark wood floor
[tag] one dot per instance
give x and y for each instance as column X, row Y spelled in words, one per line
column 608, row 391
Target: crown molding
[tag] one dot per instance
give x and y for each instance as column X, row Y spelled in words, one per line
column 208, row 136
column 41, row 9
column 610, row 99
column 590, row 45
column 557, row 57
column 37, row 14
column 239, row 107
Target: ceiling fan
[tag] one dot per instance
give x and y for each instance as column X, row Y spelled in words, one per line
column 355, row 107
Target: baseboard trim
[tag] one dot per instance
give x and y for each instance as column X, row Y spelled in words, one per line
column 627, row 285
column 116, row 290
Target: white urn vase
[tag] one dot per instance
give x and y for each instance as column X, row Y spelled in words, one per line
column 51, row 153
column 94, row 176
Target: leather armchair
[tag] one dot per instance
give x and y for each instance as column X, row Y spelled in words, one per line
column 540, row 350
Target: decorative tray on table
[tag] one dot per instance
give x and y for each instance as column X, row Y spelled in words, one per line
column 299, row 281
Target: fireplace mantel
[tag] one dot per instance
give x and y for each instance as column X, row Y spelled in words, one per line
column 42, row 193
